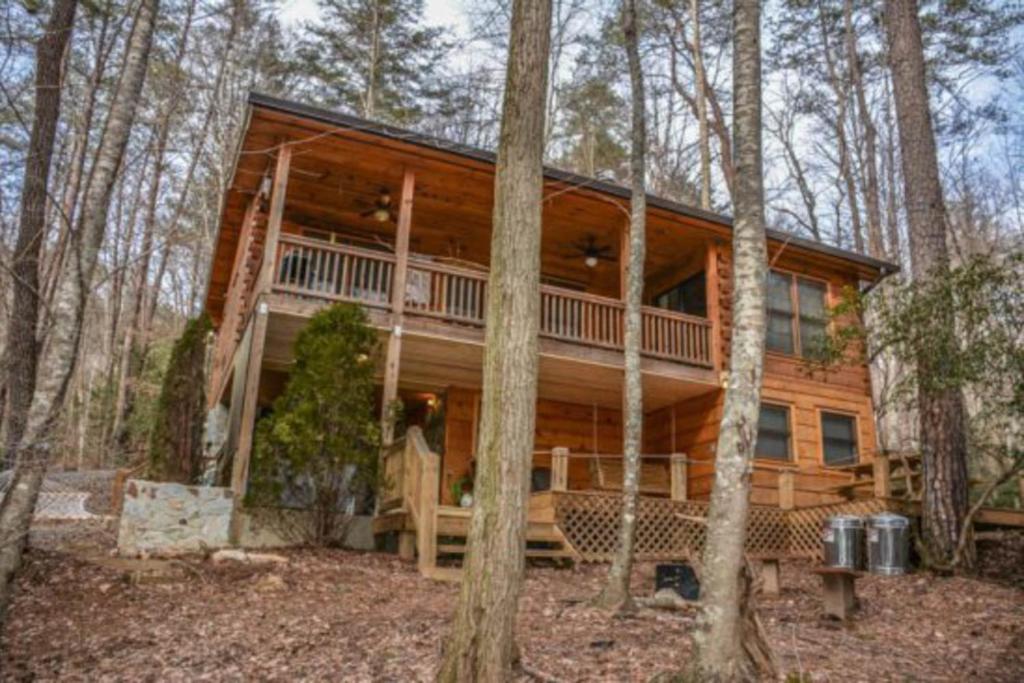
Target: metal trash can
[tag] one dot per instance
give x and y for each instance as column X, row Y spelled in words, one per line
column 843, row 538
column 888, row 544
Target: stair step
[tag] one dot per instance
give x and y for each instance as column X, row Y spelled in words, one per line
column 555, row 553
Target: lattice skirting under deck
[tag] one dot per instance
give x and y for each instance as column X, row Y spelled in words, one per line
column 670, row 530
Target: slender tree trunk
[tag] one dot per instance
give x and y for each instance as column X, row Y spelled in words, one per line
column 37, row 444
column 723, row 632
column 615, row 594
column 872, row 200
column 481, row 643
column 22, row 350
column 840, row 90
column 134, row 344
column 702, row 108
column 941, row 412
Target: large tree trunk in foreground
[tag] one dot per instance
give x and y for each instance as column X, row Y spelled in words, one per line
column 941, row 412
column 722, row 631
column 481, row 644
column 22, row 352
column 616, row 592
column 69, row 306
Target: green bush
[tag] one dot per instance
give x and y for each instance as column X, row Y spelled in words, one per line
column 318, row 449
column 176, row 437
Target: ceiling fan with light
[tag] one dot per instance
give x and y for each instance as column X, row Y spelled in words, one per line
column 381, row 211
column 590, row 250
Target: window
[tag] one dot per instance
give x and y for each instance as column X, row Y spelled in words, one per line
column 796, row 314
column 689, row 296
column 839, row 439
column 811, row 296
column 780, row 313
column 773, row 433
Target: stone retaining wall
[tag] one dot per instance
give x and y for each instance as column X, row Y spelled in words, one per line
column 162, row 518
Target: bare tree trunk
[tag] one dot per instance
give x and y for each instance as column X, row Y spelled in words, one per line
column 872, row 201
column 845, row 164
column 723, row 631
column 481, row 644
column 702, row 108
column 941, row 412
column 615, row 594
column 37, row 444
column 22, row 351
column 134, row 344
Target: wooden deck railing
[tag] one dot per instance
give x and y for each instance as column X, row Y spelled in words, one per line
column 309, row 267
column 331, row 271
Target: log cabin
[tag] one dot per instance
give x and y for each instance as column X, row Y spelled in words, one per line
column 323, row 207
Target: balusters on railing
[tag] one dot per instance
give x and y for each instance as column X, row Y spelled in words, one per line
column 342, row 272
column 347, row 273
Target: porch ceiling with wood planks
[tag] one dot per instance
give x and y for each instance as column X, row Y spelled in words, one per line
column 437, row 355
column 335, row 178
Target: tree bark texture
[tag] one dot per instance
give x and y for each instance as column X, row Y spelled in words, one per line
column 872, row 201
column 941, row 412
column 481, row 643
column 702, row 109
column 22, row 352
column 720, row 635
column 69, row 303
column 615, row 594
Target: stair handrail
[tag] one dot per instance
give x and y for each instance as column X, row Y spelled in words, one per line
column 423, row 488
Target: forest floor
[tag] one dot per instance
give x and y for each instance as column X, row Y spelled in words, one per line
column 81, row 614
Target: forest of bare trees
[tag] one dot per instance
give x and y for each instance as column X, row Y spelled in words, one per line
column 890, row 129
column 832, row 159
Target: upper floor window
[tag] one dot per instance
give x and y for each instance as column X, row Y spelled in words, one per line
column 773, row 433
column 689, row 296
column 796, row 314
column 838, row 438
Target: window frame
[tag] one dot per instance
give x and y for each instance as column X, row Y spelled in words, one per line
column 858, row 459
column 794, row 302
column 790, row 460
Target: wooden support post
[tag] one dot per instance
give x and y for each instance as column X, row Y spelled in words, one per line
column 275, row 216
column 711, row 286
column 250, row 395
column 559, row 469
column 678, row 476
column 426, row 522
column 247, row 421
column 840, row 594
column 624, row 260
column 407, row 545
column 881, row 470
column 787, row 494
column 770, row 583
column 394, row 353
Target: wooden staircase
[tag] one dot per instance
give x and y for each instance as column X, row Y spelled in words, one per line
column 408, row 504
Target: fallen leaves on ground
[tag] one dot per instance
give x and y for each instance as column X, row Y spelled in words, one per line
column 370, row 617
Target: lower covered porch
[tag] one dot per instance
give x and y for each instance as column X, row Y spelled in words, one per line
column 581, row 524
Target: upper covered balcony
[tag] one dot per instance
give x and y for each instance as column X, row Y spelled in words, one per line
column 327, row 208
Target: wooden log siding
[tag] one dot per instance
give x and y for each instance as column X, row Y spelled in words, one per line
column 308, row 267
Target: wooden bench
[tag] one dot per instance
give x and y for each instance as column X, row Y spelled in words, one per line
column 606, row 475
column 840, row 591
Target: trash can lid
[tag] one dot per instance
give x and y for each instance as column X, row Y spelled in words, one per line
column 845, row 522
column 888, row 519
